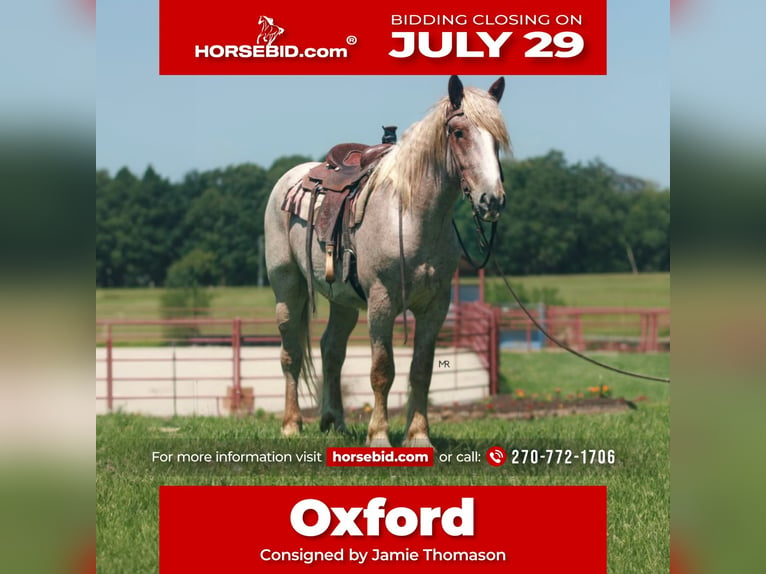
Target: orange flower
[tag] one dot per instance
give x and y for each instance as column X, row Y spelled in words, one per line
column 594, row 389
column 520, row 393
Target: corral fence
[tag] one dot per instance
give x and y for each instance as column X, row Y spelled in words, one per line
column 219, row 366
column 232, row 365
column 623, row 329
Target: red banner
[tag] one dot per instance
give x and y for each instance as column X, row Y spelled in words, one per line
column 521, row 529
column 397, row 37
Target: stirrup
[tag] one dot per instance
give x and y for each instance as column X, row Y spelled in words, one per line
column 329, row 263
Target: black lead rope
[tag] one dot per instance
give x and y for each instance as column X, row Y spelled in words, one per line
column 565, row 347
column 483, row 240
column 483, row 243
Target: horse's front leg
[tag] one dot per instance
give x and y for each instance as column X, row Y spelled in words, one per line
column 381, row 321
column 427, row 329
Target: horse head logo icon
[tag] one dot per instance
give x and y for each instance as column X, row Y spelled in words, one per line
column 269, row 30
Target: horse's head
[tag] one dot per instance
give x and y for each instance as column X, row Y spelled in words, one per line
column 474, row 148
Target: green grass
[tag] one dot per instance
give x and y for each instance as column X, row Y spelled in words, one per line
column 543, row 373
column 638, row 484
column 144, row 303
column 604, row 290
column 594, row 290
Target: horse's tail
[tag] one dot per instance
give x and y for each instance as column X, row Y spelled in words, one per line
column 308, row 372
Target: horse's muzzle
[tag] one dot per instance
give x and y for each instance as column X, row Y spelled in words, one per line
column 490, row 207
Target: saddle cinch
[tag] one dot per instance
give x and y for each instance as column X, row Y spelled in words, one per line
column 334, row 186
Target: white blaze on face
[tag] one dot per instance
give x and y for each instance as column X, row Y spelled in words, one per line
column 488, row 155
column 488, row 170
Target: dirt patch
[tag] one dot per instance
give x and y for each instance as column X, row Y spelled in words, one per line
column 510, row 407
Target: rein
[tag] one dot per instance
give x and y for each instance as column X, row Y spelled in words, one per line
column 535, row 322
column 567, row 348
column 484, row 244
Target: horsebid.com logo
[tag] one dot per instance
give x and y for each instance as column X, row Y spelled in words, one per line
column 269, row 30
column 264, row 46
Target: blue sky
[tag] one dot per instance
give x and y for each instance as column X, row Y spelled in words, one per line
column 181, row 123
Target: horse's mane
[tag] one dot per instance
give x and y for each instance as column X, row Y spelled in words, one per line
column 422, row 151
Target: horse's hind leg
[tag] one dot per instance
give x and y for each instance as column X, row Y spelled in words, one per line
column 293, row 317
column 334, row 340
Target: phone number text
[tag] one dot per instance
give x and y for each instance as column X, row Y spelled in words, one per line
column 562, row 456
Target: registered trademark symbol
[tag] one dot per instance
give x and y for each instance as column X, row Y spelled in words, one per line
column 351, row 40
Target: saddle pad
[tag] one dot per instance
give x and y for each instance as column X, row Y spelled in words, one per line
column 298, row 200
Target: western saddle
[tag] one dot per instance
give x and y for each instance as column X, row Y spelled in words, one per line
column 343, row 173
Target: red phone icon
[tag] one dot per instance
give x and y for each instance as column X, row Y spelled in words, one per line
column 496, row 456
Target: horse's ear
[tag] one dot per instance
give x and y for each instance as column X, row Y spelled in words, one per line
column 455, row 90
column 496, row 90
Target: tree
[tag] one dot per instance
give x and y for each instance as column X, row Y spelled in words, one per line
column 135, row 223
column 226, row 219
column 564, row 218
column 560, row 218
column 186, row 294
column 113, row 241
column 281, row 166
column 647, row 229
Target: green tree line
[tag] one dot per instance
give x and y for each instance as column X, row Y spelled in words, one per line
column 205, row 229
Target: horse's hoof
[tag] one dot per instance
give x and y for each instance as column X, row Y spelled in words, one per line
column 418, row 442
column 331, row 422
column 292, row 428
column 379, row 441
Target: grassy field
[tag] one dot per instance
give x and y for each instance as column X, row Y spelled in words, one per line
column 593, row 290
column 606, row 290
column 544, row 373
column 253, row 303
column 638, row 483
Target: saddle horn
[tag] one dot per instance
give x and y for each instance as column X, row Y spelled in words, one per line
column 389, row 135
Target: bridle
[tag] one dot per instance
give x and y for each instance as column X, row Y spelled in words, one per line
column 485, row 244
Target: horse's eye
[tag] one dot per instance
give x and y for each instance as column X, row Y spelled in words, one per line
column 458, row 133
